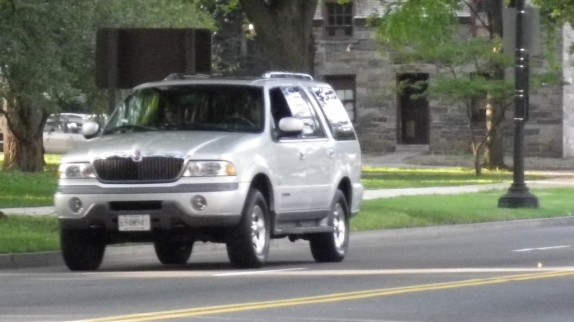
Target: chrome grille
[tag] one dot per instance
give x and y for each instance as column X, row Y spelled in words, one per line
column 158, row 169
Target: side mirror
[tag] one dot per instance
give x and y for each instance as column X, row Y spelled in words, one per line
column 90, row 129
column 291, row 126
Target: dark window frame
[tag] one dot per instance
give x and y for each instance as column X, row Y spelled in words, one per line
column 338, row 19
column 345, row 82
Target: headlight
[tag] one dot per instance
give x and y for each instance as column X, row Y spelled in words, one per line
column 76, row 171
column 209, row 169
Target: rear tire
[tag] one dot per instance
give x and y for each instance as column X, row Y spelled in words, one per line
column 332, row 247
column 248, row 242
column 82, row 250
column 173, row 250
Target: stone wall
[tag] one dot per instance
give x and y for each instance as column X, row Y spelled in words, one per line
column 543, row 130
column 548, row 133
column 376, row 119
column 449, row 128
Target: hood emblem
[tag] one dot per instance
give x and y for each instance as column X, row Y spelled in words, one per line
column 137, row 156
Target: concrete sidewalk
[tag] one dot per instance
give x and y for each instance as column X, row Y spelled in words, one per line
column 29, row 211
column 536, row 184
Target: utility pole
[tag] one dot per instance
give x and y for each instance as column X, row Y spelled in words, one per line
column 518, row 195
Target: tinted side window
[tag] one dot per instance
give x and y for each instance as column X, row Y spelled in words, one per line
column 292, row 101
column 335, row 113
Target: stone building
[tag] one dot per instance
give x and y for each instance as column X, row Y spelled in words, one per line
column 350, row 58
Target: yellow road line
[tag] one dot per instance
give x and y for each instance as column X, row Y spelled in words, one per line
column 330, row 298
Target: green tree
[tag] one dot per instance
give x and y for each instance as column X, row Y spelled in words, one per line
column 557, row 11
column 259, row 35
column 427, row 32
column 47, row 57
column 284, row 32
column 233, row 49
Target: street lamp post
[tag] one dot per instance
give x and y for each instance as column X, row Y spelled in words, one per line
column 518, row 195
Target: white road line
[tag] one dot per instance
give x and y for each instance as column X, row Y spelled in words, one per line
column 541, row 248
column 81, row 277
column 266, row 272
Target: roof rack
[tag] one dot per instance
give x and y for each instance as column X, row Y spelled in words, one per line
column 287, row 75
column 180, row 76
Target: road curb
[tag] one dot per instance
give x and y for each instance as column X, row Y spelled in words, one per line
column 30, row 260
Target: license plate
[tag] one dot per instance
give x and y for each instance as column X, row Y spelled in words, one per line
column 134, row 223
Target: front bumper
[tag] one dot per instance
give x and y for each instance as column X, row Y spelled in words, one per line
column 168, row 206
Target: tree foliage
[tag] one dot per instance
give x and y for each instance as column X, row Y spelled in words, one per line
column 427, row 32
column 47, row 58
column 419, row 22
column 233, row 48
column 557, row 12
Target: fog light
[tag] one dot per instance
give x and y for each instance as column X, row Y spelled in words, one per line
column 75, row 205
column 198, row 203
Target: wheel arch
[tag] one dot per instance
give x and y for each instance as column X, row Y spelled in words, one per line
column 262, row 183
column 347, row 188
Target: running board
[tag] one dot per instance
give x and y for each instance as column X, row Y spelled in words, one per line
column 282, row 231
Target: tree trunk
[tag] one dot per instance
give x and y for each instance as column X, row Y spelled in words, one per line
column 24, row 155
column 476, row 159
column 23, row 148
column 284, row 31
column 494, row 147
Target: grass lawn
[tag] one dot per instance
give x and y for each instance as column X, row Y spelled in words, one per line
column 25, row 234
column 22, row 189
column 32, row 234
column 434, row 210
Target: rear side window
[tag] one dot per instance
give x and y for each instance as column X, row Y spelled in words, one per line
column 335, row 113
column 292, row 101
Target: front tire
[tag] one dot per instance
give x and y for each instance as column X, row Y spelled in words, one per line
column 173, row 250
column 82, row 250
column 248, row 242
column 332, row 247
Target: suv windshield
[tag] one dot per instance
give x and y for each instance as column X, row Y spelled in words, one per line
column 231, row 108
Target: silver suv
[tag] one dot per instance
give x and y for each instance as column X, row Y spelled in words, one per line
column 200, row 158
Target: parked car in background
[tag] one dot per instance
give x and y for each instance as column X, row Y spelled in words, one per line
column 63, row 131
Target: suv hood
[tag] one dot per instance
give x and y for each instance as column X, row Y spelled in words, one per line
column 204, row 145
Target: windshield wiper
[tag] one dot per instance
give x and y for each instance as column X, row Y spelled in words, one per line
column 130, row 128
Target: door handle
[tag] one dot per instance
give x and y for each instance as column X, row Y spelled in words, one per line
column 301, row 155
column 331, row 153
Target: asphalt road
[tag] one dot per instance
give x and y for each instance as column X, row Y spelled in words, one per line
column 495, row 272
